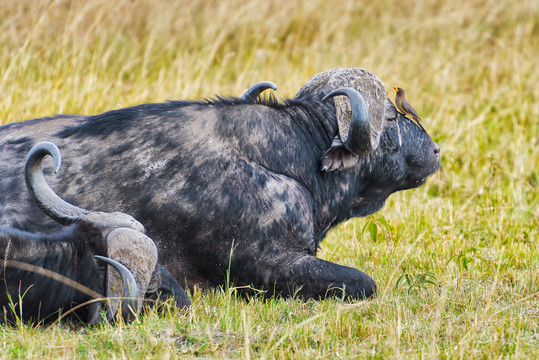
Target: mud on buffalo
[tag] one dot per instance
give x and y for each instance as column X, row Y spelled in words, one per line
column 254, row 183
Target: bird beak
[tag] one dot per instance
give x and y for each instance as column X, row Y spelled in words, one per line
column 395, row 88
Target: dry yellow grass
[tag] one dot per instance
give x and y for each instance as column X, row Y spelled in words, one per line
column 469, row 68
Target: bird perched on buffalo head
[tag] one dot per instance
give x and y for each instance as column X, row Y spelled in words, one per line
column 405, row 107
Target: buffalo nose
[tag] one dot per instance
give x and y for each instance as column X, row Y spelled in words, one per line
column 436, row 150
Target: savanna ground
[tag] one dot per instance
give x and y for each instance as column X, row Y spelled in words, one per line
column 456, row 260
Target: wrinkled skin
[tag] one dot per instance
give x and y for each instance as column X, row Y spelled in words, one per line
column 223, row 181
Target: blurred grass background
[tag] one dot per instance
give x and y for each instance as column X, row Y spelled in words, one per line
column 456, row 260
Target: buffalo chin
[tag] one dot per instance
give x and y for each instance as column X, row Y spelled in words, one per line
column 413, row 181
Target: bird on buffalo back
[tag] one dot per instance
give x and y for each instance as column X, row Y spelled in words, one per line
column 405, row 107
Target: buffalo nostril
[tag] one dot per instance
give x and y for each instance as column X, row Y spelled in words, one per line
column 436, row 150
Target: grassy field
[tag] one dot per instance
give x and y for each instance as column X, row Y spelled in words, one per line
column 456, row 261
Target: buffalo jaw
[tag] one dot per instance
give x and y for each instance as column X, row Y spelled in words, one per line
column 138, row 253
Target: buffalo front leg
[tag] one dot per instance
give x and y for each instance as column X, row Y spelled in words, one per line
column 310, row 277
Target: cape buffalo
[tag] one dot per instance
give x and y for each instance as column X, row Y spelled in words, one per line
column 235, row 186
column 46, row 273
column 38, row 272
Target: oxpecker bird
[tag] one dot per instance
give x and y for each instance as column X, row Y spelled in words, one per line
column 405, row 107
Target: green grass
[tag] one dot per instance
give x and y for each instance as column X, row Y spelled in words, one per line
column 464, row 246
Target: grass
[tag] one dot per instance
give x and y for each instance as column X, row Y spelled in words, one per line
column 464, row 246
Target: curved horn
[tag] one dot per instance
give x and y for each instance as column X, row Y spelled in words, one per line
column 254, row 91
column 359, row 136
column 47, row 200
column 130, row 290
column 136, row 251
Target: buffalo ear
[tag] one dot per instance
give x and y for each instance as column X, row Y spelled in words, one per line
column 337, row 157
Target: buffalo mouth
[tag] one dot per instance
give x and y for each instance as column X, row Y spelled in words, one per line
column 417, row 178
column 410, row 183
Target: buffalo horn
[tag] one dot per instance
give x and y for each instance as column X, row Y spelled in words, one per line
column 130, row 290
column 136, row 251
column 50, row 203
column 59, row 209
column 358, row 141
column 254, row 91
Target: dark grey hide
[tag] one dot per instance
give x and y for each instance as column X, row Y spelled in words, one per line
column 227, row 180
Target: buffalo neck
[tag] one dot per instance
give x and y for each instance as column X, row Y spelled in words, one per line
column 338, row 195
